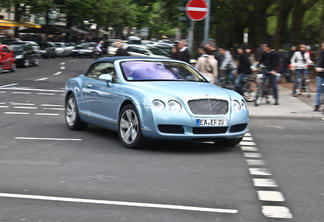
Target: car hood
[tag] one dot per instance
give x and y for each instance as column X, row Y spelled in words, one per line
column 183, row 91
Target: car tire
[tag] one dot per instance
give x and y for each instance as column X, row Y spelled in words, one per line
column 129, row 128
column 72, row 117
column 1, row 69
column 13, row 67
column 26, row 63
column 36, row 62
column 230, row 142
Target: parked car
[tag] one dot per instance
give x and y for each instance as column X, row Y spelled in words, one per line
column 25, row 53
column 147, row 51
column 147, row 98
column 69, row 46
column 36, row 48
column 85, row 49
column 7, row 59
column 60, row 49
column 47, row 49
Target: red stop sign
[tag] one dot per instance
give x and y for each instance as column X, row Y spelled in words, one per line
column 197, row 9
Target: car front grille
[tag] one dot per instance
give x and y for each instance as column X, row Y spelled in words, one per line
column 208, row 106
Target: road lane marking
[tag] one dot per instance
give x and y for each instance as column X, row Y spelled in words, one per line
column 247, row 134
column 46, row 94
column 24, row 107
column 37, row 90
column 62, row 63
column 270, row 195
column 16, row 113
column 23, row 104
column 244, row 143
column 59, row 109
column 264, row 183
column 47, row 114
column 52, row 105
column 27, row 93
column 2, row 103
column 249, row 148
column 57, row 73
column 13, row 84
column 41, row 79
column 119, row 203
column 52, row 139
column 255, row 162
column 62, row 67
column 4, row 107
column 252, row 155
column 245, row 138
column 260, row 171
column 3, row 92
column 276, row 212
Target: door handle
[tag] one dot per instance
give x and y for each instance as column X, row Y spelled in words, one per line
column 89, row 86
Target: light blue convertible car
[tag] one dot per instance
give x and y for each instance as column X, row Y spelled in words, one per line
column 144, row 99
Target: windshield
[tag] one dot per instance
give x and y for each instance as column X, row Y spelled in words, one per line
column 159, row 71
column 58, row 45
column 17, row 47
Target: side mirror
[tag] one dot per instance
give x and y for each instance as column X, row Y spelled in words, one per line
column 207, row 78
column 106, row 77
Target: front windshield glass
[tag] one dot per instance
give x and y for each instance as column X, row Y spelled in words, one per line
column 17, row 47
column 159, row 71
column 58, row 45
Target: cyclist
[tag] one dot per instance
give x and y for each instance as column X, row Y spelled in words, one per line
column 319, row 77
column 270, row 60
column 243, row 69
column 300, row 60
column 228, row 63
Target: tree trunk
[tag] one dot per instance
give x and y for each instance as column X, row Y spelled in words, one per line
column 47, row 18
column 282, row 23
column 17, row 19
column 296, row 26
column 322, row 25
column 254, row 39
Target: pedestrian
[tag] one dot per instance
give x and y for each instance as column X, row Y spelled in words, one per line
column 269, row 59
column 228, row 65
column 207, row 65
column 120, row 50
column 243, row 69
column 290, row 71
column 99, row 50
column 250, row 55
column 175, row 52
column 211, row 45
column 258, row 53
column 319, row 78
column 300, row 60
column 184, row 54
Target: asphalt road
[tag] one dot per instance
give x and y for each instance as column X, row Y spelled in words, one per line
column 49, row 173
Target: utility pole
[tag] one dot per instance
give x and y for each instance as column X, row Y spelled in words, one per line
column 207, row 19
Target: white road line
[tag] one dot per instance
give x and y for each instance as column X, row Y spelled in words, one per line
column 2, row 103
column 27, row 93
column 62, row 67
column 322, row 118
column 119, row 203
column 41, row 79
column 247, row 138
column 252, row 155
column 46, row 94
column 270, row 195
column 260, row 171
column 4, row 107
column 51, row 105
column 16, row 113
column 244, row 143
column 3, row 92
column 249, row 148
column 13, row 84
column 24, row 107
column 23, row 104
column 197, row 9
column 276, row 212
column 37, row 90
column 47, row 114
column 264, row 183
column 62, row 63
column 57, row 73
column 247, row 134
column 52, row 139
column 255, row 162
column 55, row 109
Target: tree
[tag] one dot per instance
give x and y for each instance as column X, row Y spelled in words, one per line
column 285, row 7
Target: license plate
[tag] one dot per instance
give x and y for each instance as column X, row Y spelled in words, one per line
column 212, row 122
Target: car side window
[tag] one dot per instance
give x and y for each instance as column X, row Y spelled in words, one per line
column 142, row 51
column 131, row 49
column 100, row 68
column 5, row 50
column 30, row 47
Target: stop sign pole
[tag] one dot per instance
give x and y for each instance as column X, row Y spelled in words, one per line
column 197, row 10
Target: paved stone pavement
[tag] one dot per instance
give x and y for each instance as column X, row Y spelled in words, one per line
column 289, row 106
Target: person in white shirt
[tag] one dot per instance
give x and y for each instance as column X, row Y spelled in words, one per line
column 99, row 50
column 300, row 61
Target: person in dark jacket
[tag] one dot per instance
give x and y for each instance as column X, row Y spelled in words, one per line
column 319, row 78
column 270, row 60
column 184, row 54
column 120, row 50
column 243, row 69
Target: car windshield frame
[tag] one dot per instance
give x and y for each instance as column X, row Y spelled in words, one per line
column 138, row 70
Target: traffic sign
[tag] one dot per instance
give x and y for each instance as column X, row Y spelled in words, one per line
column 197, row 9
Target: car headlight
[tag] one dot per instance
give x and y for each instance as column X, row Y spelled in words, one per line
column 236, row 106
column 158, row 104
column 174, row 106
column 19, row 57
column 243, row 104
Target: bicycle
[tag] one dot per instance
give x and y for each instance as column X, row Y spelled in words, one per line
column 225, row 81
column 303, row 85
column 250, row 88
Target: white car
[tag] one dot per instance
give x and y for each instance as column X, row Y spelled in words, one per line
column 146, row 51
column 69, row 46
column 60, row 49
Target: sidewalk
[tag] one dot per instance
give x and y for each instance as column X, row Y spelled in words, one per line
column 289, row 106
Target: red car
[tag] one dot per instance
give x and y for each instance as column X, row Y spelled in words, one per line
column 7, row 58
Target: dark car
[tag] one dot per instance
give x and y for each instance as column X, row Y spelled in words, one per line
column 47, row 49
column 26, row 53
column 85, row 49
